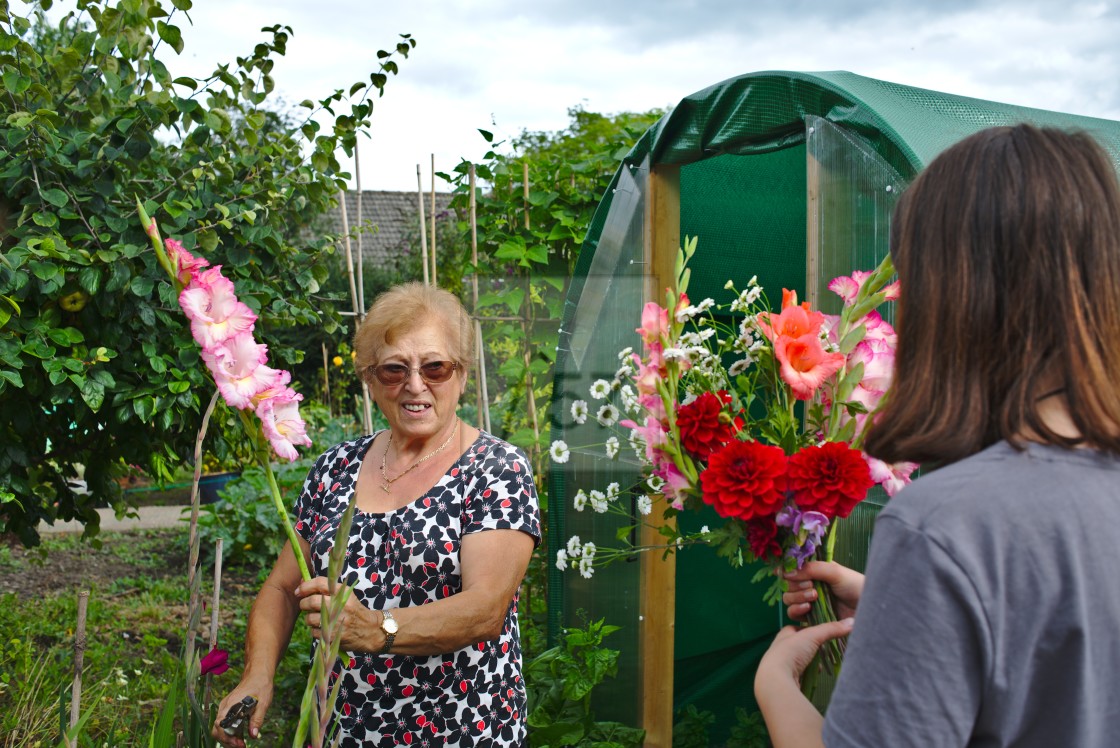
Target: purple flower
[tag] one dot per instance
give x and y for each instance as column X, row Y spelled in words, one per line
column 802, row 553
column 789, row 517
column 215, row 662
column 813, row 524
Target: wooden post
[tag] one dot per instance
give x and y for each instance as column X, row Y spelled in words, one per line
column 658, row 590
column 432, row 217
column 423, row 225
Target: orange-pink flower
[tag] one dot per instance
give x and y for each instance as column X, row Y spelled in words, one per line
column 794, row 321
column 805, row 365
column 655, row 324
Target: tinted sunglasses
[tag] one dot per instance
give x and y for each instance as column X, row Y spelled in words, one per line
column 433, row 372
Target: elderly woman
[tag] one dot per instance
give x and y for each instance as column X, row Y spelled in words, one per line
column 988, row 616
column 446, row 520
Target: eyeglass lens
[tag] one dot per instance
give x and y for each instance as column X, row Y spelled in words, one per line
column 433, row 372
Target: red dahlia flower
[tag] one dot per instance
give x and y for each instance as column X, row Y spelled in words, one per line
column 762, row 536
column 831, row 479
column 701, row 430
column 745, row 480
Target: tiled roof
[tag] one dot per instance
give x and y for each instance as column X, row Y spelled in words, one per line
column 394, row 216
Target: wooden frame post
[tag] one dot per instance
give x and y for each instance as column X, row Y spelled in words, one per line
column 657, row 622
column 812, row 227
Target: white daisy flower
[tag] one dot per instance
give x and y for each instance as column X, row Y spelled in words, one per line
column 655, row 483
column 704, row 530
column 561, row 559
column 739, row 367
column 686, row 313
column 607, row 415
column 580, row 500
column 575, row 547
column 600, row 388
column 674, row 353
column 589, row 551
column 559, row 451
column 730, row 285
column 626, row 371
column 579, row 411
column 638, row 444
column 629, row 399
column 625, row 353
column 598, row 502
column 645, row 504
column 705, row 305
column 586, row 570
column 612, row 447
column 612, row 490
column 753, row 281
column 756, row 345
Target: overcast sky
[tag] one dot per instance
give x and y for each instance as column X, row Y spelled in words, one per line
column 508, row 65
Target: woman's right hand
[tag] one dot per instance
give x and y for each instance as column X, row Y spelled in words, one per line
column 846, row 584
column 261, row 690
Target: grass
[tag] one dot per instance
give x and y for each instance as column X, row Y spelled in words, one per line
column 135, row 630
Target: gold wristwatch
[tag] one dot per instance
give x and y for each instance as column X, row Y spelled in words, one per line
column 390, row 626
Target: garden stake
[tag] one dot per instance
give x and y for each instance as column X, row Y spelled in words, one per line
column 525, row 191
column 79, row 657
column 367, row 414
column 482, row 396
column 327, row 381
column 423, row 224
column 214, row 613
column 433, row 220
column 192, row 563
column 361, row 231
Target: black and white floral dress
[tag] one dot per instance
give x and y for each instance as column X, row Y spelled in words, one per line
column 471, row 697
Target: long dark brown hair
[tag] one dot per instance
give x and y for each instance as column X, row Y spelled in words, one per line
column 1008, row 249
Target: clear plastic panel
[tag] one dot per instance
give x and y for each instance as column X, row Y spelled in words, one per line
column 604, row 322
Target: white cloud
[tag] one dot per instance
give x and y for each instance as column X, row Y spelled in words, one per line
column 507, row 66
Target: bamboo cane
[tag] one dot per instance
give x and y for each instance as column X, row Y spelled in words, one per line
column 214, row 613
column 432, row 217
column 79, row 659
column 327, row 380
column 367, row 413
column 361, row 232
column 525, row 191
column 483, row 396
column 423, row 224
column 192, row 571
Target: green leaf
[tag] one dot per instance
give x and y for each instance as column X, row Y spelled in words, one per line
column 171, row 35
column 489, row 136
column 93, row 392
column 182, row 4
column 186, row 82
column 55, row 197
column 142, row 286
column 178, row 387
column 12, row 377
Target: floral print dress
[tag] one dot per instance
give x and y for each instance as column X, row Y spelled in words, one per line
column 474, row 696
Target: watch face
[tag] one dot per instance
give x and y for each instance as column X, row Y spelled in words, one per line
column 389, row 625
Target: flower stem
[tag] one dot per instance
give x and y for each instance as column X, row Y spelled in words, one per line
column 278, row 502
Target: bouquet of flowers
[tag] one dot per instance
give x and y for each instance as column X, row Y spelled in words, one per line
column 769, row 441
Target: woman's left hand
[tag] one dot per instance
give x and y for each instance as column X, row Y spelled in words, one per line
column 358, row 625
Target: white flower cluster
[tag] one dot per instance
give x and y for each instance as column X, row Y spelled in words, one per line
column 612, row 447
column 584, row 552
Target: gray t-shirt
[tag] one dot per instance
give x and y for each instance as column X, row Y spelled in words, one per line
column 991, row 612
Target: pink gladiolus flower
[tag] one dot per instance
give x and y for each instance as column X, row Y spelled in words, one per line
column 648, row 376
column 654, row 406
column 794, row 321
column 282, row 424
column 676, row 484
column 877, row 358
column 893, row 478
column 652, row 434
column 239, row 370
column 655, row 324
column 891, row 291
column 213, row 309
column 278, row 389
column 804, row 363
column 215, row 662
column 844, row 287
column 183, row 263
column 151, row 229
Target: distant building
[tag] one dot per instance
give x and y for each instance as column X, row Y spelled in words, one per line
column 394, row 214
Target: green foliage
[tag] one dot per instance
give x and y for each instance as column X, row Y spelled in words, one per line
column 528, row 246
column 691, row 726
column 97, row 367
column 560, row 681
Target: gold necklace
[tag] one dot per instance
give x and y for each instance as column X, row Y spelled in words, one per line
column 387, row 482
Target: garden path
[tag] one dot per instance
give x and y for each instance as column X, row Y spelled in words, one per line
column 149, row 518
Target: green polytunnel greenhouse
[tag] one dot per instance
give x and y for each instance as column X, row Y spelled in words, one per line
column 788, row 176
